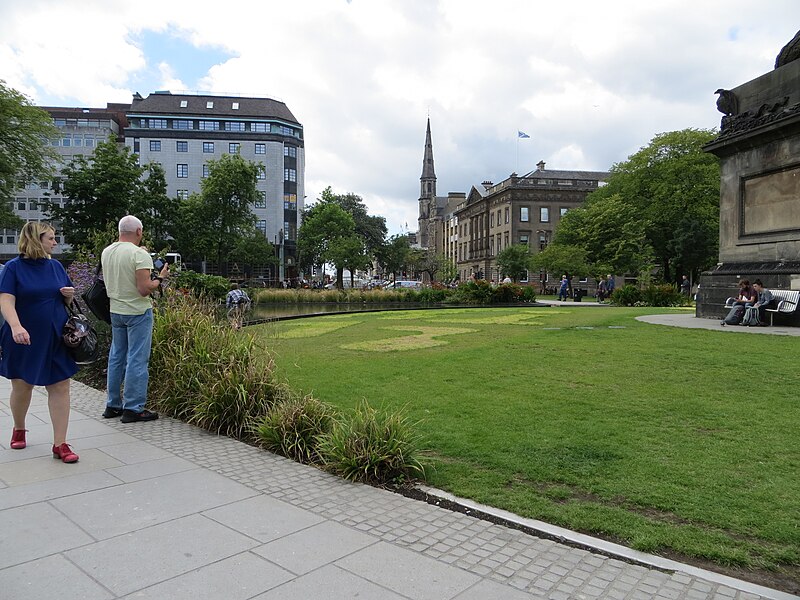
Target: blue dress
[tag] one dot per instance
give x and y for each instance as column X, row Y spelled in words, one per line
column 35, row 283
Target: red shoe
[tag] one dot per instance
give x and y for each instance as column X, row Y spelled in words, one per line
column 18, row 439
column 64, row 453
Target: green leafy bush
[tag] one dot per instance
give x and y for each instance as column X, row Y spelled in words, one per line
column 662, row 295
column 206, row 373
column 473, row 292
column 627, row 295
column 293, row 427
column 200, row 285
column 373, row 446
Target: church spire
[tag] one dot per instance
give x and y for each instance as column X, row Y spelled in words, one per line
column 428, row 178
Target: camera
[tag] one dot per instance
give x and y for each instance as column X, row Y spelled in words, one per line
column 158, row 264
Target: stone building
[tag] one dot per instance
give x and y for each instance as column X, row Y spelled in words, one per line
column 518, row 210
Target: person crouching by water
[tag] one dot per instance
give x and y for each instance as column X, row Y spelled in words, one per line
column 33, row 290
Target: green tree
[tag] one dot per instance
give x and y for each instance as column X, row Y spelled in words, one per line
column 101, row 189
column 25, row 153
column 157, row 211
column 371, row 228
column 514, row 260
column 393, row 254
column 664, row 184
column 321, row 239
column 559, row 259
column 213, row 221
column 253, row 248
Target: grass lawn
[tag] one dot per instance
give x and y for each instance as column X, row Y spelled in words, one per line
column 672, row 441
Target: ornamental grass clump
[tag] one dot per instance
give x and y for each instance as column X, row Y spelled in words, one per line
column 293, row 427
column 206, row 373
column 373, row 446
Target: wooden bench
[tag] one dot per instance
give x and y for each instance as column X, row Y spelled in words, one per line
column 787, row 302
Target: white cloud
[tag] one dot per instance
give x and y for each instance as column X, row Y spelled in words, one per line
column 590, row 82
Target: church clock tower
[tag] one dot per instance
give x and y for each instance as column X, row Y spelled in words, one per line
column 427, row 192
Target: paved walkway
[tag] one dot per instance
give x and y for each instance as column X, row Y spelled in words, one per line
column 164, row 510
column 688, row 320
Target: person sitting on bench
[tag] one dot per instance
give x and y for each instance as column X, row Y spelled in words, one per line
column 765, row 300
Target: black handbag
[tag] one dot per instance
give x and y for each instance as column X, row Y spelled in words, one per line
column 79, row 336
column 96, row 298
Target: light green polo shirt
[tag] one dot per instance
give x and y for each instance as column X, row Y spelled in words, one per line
column 120, row 262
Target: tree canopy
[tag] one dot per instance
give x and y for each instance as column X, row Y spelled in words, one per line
column 513, row 261
column 101, row 189
column 25, row 151
column 215, row 220
column 659, row 208
column 326, row 236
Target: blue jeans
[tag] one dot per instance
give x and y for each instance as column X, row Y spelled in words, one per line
column 129, row 358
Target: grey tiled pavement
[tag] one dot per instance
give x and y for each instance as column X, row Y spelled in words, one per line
column 165, row 510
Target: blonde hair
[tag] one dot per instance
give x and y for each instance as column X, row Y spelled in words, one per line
column 30, row 239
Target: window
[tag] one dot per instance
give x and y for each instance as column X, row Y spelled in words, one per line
column 183, row 171
column 88, row 141
column 523, row 214
column 286, row 230
column 156, row 123
column 491, row 245
column 505, row 240
column 259, row 127
column 181, row 124
column 66, row 140
column 208, row 147
column 261, row 173
column 208, row 125
column 77, row 140
column 544, row 214
column 184, row 103
column 491, row 220
column 289, row 175
column 21, row 205
column 290, row 151
column 523, row 239
column 183, row 194
column 290, row 201
column 181, row 146
column 155, row 145
column 506, row 216
column 499, row 244
column 262, row 227
column 235, row 106
column 261, row 148
column 210, row 104
column 524, row 278
column 499, row 217
column 563, row 211
column 564, row 183
column 233, row 148
column 287, row 130
column 205, row 170
column 542, row 240
column 261, row 201
column 234, row 126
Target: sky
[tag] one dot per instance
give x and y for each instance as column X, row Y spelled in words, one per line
column 590, row 82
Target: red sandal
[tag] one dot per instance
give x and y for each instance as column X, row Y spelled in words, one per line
column 65, row 453
column 18, row 439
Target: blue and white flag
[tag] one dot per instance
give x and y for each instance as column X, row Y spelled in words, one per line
column 522, row 134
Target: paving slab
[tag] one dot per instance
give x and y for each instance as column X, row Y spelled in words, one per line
column 130, row 562
column 201, row 515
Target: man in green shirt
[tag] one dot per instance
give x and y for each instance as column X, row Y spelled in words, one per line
column 127, row 269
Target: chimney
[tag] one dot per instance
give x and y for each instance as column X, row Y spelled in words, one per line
column 540, row 165
column 487, row 184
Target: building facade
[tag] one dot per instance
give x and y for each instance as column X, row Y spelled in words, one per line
column 518, row 210
column 183, row 133
column 80, row 130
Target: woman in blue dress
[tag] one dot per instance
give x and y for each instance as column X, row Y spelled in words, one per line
column 33, row 291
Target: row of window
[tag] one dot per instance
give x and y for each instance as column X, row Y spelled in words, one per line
column 77, row 140
column 9, row 236
column 233, row 148
column 83, row 123
column 208, row 125
column 182, row 172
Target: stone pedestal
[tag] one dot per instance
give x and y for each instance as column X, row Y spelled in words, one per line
column 759, row 151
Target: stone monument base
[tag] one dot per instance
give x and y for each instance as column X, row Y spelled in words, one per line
column 723, row 282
